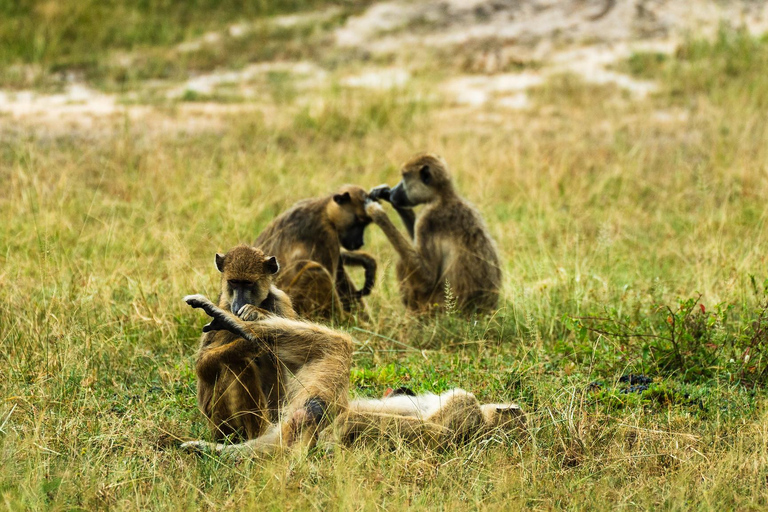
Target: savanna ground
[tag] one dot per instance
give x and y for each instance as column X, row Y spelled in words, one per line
column 632, row 233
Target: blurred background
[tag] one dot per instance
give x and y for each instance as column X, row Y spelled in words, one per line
column 96, row 58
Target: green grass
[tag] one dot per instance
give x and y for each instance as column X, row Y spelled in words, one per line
column 604, row 216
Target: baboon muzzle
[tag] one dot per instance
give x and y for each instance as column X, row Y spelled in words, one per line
column 398, row 197
column 352, row 240
column 239, row 299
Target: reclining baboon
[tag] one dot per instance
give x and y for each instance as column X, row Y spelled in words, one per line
column 430, row 420
column 311, row 365
column 306, row 241
column 450, row 251
column 236, row 381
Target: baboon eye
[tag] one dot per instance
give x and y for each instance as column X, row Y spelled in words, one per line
column 425, row 174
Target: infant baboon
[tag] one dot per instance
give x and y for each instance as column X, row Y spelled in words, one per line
column 311, row 376
column 235, row 379
column 306, row 241
column 435, row 421
column 450, row 250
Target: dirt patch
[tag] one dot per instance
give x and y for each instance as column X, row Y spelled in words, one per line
column 582, row 37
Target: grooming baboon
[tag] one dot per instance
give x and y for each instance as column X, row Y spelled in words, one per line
column 450, row 252
column 236, row 380
column 311, row 380
column 306, row 241
column 435, row 421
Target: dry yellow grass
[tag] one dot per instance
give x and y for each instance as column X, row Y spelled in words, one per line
column 596, row 203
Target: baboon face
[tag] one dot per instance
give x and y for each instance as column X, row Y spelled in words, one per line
column 424, row 179
column 246, row 276
column 347, row 214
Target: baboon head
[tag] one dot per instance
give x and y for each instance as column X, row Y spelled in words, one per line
column 347, row 215
column 425, row 178
column 246, row 276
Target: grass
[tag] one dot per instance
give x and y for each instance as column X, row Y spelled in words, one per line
column 116, row 44
column 612, row 222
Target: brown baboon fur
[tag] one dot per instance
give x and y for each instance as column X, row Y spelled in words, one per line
column 235, row 380
column 306, row 240
column 434, row 421
column 312, row 366
column 450, row 252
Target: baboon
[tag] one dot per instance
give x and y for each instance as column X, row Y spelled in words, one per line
column 434, row 421
column 306, row 241
column 311, row 365
column 450, row 254
column 236, row 379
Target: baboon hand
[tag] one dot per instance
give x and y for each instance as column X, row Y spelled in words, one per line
column 251, row 313
column 198, row 301
column 380, row 192
column 202, row 302
column 374, row 210
column 201, row 447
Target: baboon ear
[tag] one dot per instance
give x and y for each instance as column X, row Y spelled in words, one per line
column 425, row 173
column 342, row 198
column 271, row 265
column 220, row 262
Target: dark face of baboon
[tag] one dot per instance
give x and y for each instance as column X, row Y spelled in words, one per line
column 425, row 178
column 347, row 214
column 246, row 276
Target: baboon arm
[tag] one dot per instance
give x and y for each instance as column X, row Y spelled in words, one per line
column 412, row 260
column 409, row 219
column 224, row 319
column 365, row 260
column 383, row 193
column 294, row 342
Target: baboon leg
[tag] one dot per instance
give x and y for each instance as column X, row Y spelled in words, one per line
column 238, row 405
column 312, row 289
column 356, row 426
column 460, row 412
column 299, row 430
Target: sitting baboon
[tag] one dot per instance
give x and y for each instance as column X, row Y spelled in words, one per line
column 236, row 380
column 306, row 241
column 450, row 253
column 435, row 421
column 311, row 380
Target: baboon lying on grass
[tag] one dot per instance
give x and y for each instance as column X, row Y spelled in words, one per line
column 306, row 241
column 434, row 421
column 449, row 249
